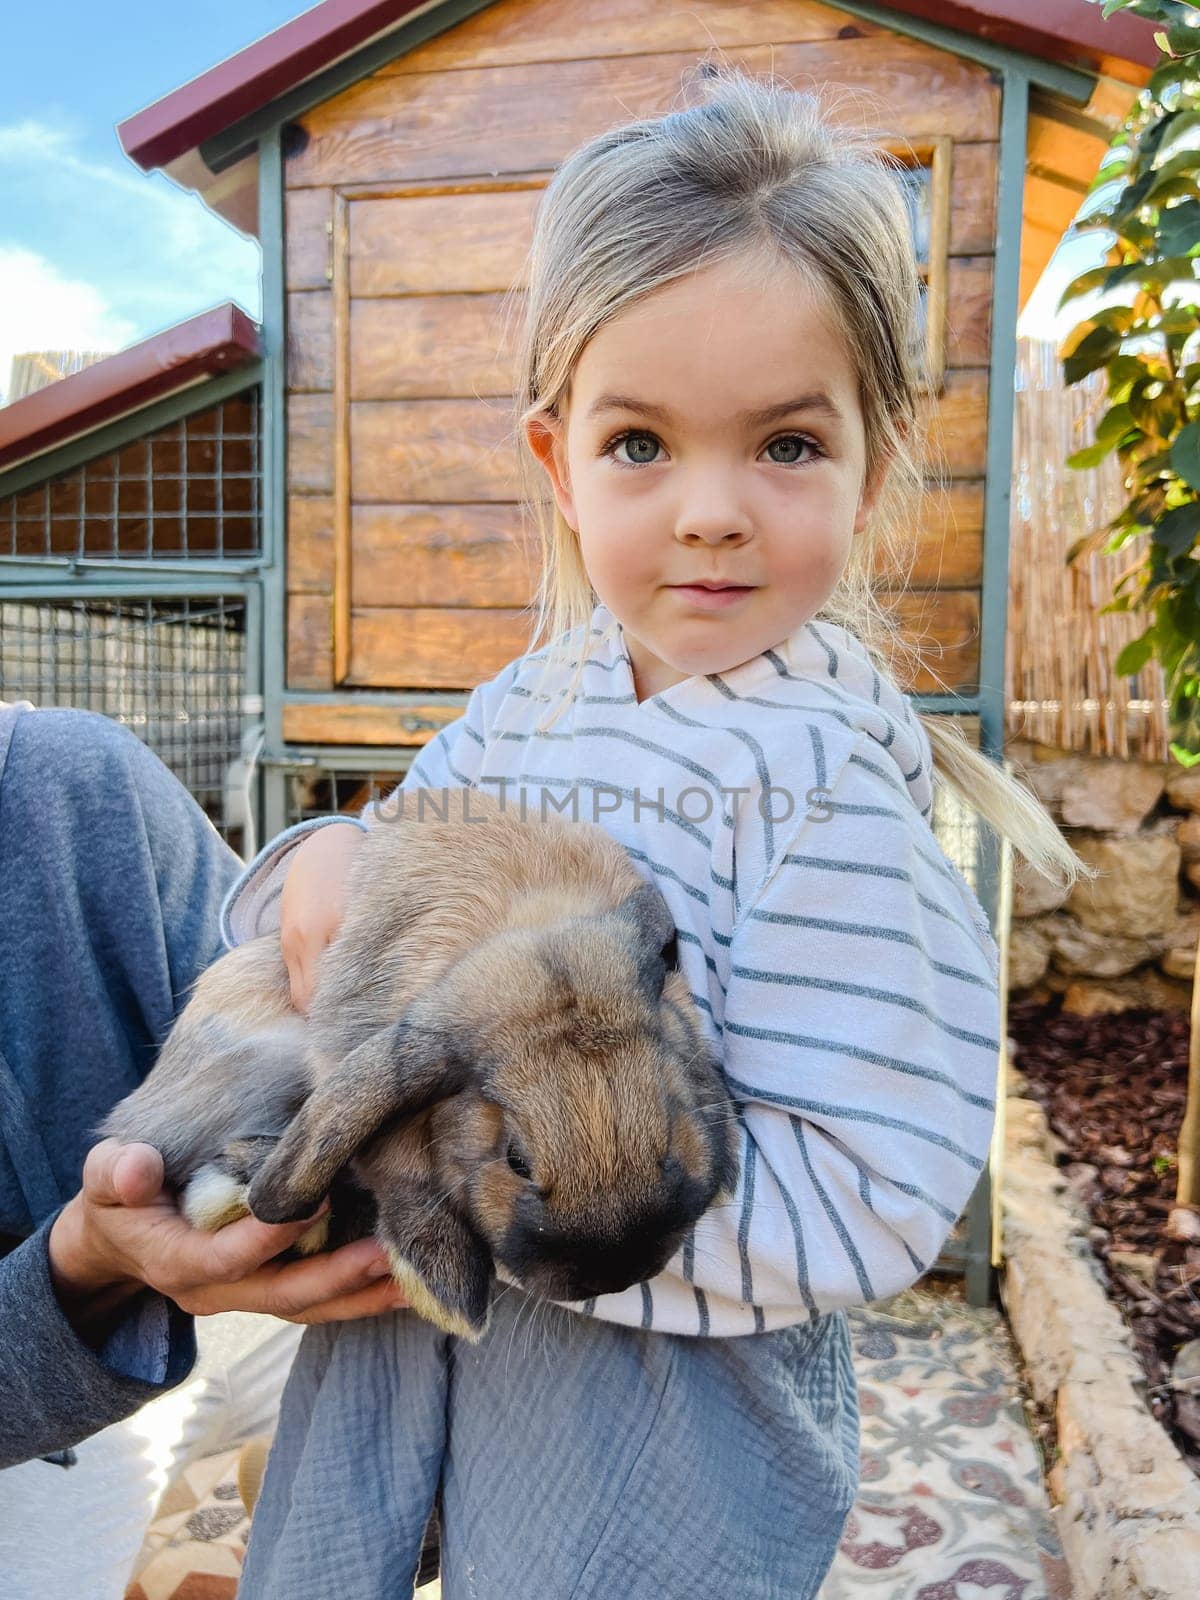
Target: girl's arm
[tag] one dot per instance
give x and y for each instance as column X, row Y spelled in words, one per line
column 860, row 1040
column 451, row 760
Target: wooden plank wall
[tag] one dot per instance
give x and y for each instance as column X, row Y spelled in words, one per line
column 408, row 207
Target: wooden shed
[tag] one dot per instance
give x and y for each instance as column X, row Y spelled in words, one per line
column 389, row 155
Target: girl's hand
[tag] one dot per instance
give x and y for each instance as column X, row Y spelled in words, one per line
column 313, row 902
column 122, row 1232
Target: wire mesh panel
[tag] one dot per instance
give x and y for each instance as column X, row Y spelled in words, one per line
column 191, row 490
column 172, row 670
column 956, row 829
column 320, row 791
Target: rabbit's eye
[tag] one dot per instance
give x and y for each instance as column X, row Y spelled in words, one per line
column 670, row 953
column 518, row 1163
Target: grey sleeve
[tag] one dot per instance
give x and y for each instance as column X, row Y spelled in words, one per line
column 56, row 1389
column 251, row 905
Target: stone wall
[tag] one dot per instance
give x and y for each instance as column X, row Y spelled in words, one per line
column 1129, row 937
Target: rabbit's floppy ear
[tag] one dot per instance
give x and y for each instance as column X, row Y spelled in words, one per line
column 396, row 1072
column 655, row 941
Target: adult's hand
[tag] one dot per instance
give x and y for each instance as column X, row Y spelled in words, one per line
column 123, row 1232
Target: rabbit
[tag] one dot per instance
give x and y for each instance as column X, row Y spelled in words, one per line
column 502, row 1072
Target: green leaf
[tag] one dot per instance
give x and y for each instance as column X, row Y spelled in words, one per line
column 1093, row 278
column 1092, row 351
column 1123, row 372
column 1179, row 228
column 1182, row 40
column 1182, row 122
column 1183, row 161
column 1119, row 318
column 1176, row 531
column 1158, row 414
column 1168, row 270
column 1167, row 74
column 1182, row 185
column 1127, row 269
column 1111, row 429
column 1135, row 655
column 1185, row 455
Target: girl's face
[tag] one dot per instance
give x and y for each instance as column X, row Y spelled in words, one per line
column 713, row 437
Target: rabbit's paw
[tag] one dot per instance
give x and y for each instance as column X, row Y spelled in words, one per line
column 213, row 1198
column 314, row 1240
column 276, row 1197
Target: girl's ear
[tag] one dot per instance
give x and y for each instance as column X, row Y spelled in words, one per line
column 546, row 437
column 874, row 482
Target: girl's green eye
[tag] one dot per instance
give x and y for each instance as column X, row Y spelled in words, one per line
column 638, row 444
column 793, row 444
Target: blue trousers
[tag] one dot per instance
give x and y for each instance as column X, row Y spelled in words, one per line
column 578, row 1460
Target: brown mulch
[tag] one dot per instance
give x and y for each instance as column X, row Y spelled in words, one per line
column 1113, row 1088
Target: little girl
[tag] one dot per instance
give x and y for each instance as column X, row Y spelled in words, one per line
column 718, row 383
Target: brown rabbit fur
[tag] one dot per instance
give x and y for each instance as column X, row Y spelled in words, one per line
column 500, row 1050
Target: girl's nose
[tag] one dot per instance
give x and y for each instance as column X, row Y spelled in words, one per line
column 710, row 507
column 697, row 531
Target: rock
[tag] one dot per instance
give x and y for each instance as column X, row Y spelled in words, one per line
column 1185, row 1368
column 1183, row 787
column 1032, row 894
column 1186, row 932
column 1083, row 1180
column 1028, row 954
column 1136, row 891
column 1147, row 987
column 1090, row 999
column 1178, row 956
column 1179, row 964
column 1115, row 1155
column 1136, row 1263
column 1188, row 835
column 1127, row 1506
column 1192, row 873
column 1183, row 1224
column 1079, row 950
column 1113, row 795
column 1043, row 769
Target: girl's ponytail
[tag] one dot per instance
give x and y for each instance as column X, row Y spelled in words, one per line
column 1012, row 809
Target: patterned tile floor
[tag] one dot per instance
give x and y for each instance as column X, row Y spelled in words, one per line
column 951, row 1503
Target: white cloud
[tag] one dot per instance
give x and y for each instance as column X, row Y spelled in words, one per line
column 41, row 309
column 99, row 254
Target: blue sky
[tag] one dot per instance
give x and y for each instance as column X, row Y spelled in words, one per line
column 94, row 253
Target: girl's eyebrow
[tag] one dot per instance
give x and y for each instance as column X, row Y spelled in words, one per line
column 816, row 400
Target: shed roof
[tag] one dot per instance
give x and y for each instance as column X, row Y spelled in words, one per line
column 168, row 133
column 221, row 340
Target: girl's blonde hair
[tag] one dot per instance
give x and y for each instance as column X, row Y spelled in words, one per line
column 754, row 168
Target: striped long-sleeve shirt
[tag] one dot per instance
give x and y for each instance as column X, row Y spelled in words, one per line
column 841, row 963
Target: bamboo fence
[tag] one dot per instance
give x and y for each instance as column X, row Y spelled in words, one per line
column 1060, row 686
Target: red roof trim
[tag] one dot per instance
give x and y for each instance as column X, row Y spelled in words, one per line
column 1072, row 32
column 1069, row 31
column 221, row 340
column 251, row 79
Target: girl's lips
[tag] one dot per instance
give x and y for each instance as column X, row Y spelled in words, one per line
column 712, row 599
